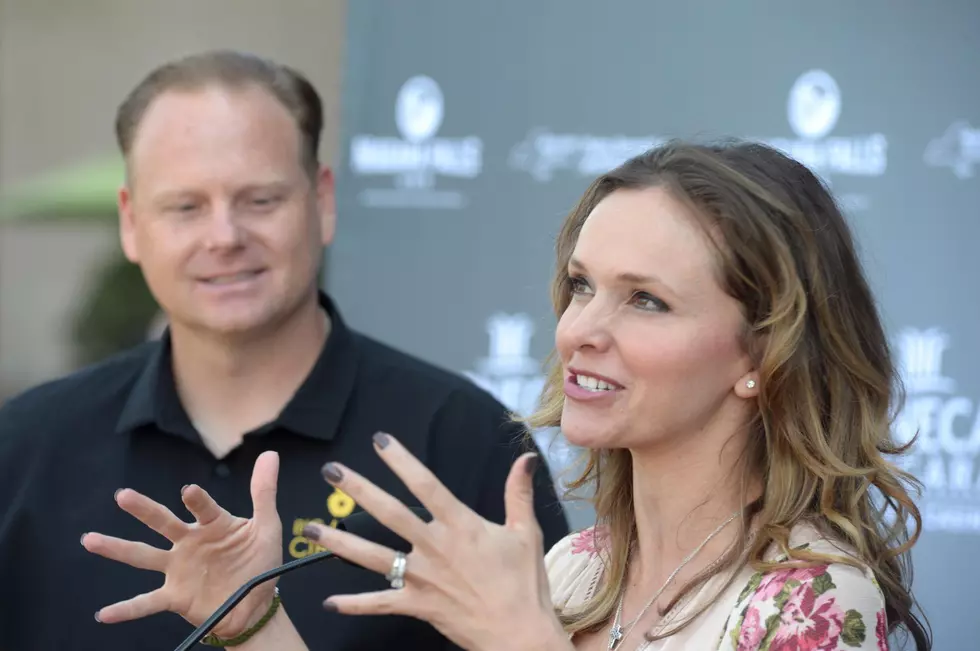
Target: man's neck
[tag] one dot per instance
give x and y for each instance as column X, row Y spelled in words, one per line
column 230, row 387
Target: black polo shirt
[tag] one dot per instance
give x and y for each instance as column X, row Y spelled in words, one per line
column 67, row 445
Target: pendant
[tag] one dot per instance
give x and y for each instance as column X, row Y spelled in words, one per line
column 615, row 635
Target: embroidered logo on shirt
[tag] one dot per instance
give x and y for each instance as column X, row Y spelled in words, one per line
column 339, row 506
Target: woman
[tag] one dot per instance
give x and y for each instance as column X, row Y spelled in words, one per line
column 720, row 357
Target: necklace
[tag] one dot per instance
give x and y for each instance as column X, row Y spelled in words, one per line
column 617, row 633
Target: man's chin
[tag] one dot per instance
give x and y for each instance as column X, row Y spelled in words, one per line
column 236, row 325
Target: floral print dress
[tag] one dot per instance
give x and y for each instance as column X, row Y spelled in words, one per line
column 832, row 607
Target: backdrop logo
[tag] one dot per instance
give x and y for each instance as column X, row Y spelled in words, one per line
column 958, row 149
column 419, row 109
column 543, row 153
column 418, row 157
column 946, row 454
column 814, row 104
column 513, row 376
column 813, row 109
column 508, row 371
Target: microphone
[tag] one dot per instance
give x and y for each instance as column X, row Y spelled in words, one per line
column 361, row 524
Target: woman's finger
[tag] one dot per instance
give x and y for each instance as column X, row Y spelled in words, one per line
column 421, row 481
column 384, row 602
column 140, row 606
column 134, row 554
column 385, row 508
column 265, row 478
column 357, row 550
column 201, row 505
column 153, row 514
column 519, row 493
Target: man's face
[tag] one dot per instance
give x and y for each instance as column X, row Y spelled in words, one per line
column 220, row 213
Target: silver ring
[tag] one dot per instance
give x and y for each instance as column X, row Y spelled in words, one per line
column 397, row 574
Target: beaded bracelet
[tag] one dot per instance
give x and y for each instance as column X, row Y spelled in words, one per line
column 213, row 640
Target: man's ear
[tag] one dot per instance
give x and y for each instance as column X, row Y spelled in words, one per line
column 127, row 227
column 326, row 204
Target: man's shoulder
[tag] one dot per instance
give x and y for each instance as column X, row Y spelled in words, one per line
column 423, row 380
column 37, row 424
column 89, row 390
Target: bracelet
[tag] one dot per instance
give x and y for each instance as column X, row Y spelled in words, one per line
column 213, row 640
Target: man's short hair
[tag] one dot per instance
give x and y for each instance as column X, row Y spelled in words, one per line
column 229, row 69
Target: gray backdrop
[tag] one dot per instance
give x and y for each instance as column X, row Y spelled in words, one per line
column 469, row 129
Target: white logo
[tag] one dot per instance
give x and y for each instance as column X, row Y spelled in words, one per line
column 958, row 148
column 418, row 109
column 921, row 360
column 813, row 109
column 814, row 105
column 511, row 375
column 509, row 372
column 946, row 454
column 417, row 158
column 543, row 153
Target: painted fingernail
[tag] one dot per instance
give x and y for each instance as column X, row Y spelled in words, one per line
column 311, row 532
column 332, row 473
column 531, row 464
column 329, row 606
column 97, row 617
column 382, row 440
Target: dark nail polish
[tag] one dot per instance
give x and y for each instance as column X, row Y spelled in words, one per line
column 531, row 464
column 97, row 618
column 116, row 494
column 332, row 473
column 311, row 532
column 382, row 440
column 329, row 606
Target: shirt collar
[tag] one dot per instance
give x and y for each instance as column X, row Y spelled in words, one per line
column 314, row 411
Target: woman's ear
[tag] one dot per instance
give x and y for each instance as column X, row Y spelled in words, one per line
column 747, row 386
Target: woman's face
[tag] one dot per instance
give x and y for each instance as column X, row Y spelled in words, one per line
column 650, row 343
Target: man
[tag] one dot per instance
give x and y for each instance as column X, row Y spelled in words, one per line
column 226, row 210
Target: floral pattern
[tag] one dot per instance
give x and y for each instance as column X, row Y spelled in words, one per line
column 802, row 609
column 590, row 541
column 772, row 583
column 752, row 633
column 808, row 622
column 829, row 607
column 881, row 631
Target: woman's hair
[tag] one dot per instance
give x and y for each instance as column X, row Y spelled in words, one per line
column 828, row 389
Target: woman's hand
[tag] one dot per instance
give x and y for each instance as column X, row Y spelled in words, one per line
column 210, row 558
column 480, row 584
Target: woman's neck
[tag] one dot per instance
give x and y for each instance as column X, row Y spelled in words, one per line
column 681, row 497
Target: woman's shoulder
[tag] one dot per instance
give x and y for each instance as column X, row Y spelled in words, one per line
column 574, row 566
column 830, row 605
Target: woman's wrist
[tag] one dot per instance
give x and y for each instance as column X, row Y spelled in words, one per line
column 255, row 623
column 547, row 635
column 278, row 634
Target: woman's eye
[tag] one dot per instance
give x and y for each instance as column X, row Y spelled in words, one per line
column 579, row 285
column 646, row 301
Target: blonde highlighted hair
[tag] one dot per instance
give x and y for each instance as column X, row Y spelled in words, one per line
column 828, row 386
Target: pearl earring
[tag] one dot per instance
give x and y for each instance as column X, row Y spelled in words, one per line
column 750, row 384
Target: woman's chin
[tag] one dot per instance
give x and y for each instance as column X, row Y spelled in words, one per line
column 589, row 436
